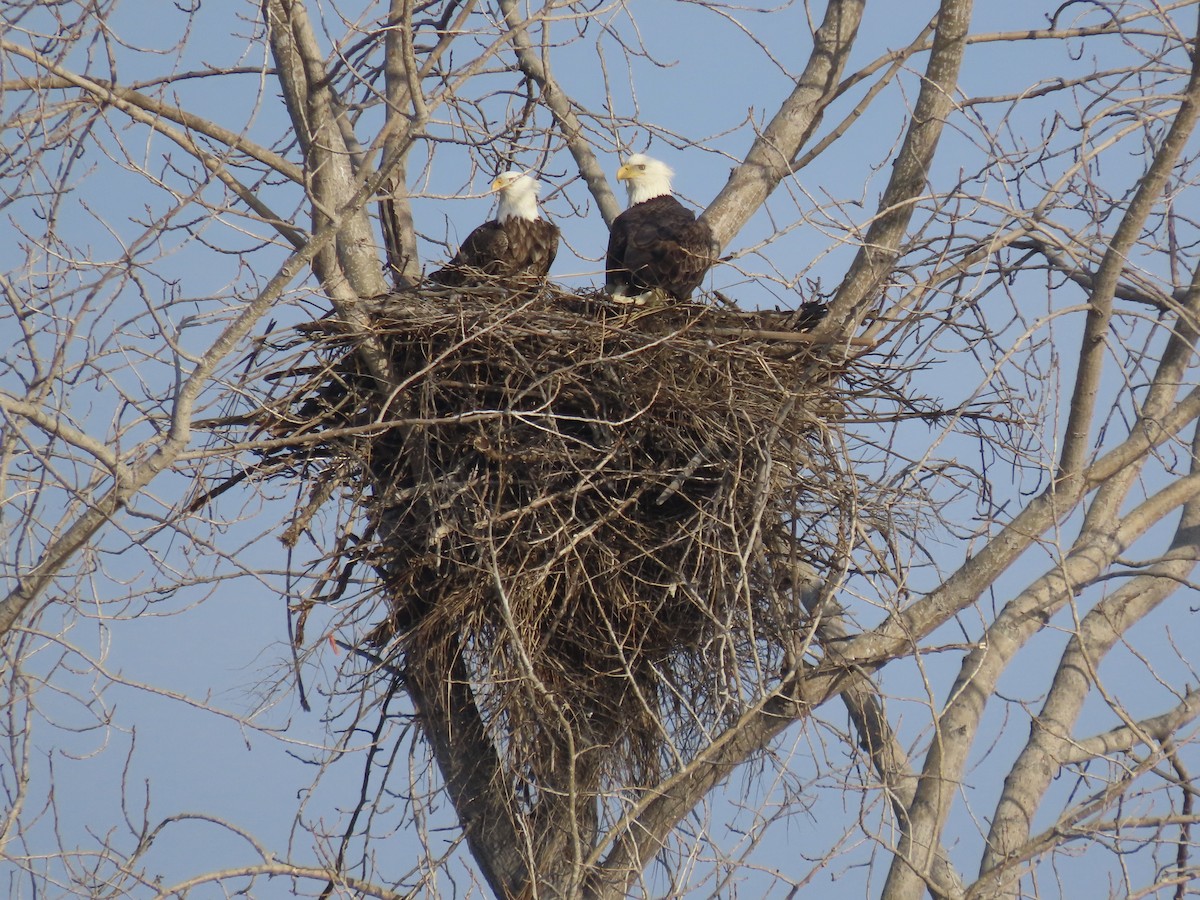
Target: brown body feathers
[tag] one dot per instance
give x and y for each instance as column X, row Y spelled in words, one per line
column 517, row 245
column 658, row 244
column 502, row 251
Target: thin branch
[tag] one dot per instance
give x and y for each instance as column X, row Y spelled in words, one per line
column 1126, row 738
column 101, row 510
column 899, row 59
column 1094, row 348
column 106, row 92
column 560, row 105
column 1086, row 279
column 154, row 120
column 858, row 291
column 769, row 159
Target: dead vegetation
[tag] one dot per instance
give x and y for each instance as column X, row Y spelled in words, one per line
column 602, row 513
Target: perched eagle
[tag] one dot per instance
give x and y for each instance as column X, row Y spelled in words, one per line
column 516, row 246
column 657, row 248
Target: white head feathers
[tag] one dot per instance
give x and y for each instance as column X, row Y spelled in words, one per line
column 518, row 196
column 645, row 178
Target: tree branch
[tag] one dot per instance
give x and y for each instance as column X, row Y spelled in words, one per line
column 1087, row 280
column 981, row 669
column 349, row 269
column 101, row 510
column 120, row 97
column 152, row 118
column 560, row 106
column 770, row 157
column 402, row 87
column 901, row 630
column 1050, row 745
column 858, row 291
column 54, row 425
column 898, row 59
column 1160, row 728
column 890, row 761
column 471, row 771
column 1067, row 825
column 1094, row 348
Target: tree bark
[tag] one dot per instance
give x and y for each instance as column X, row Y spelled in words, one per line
column 473, row 776
column 350, row 269
column 770, row 157
column 877, row 256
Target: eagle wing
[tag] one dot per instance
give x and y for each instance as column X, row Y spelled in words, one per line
column 499, row 251
column 617, row 278
column 477, row 258
column 533, row 244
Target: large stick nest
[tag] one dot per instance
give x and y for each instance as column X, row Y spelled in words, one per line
column 599, row 512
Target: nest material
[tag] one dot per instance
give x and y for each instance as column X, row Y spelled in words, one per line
column 598, row 510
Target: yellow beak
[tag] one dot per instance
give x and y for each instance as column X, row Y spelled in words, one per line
column 498, row 185
column 624, row 173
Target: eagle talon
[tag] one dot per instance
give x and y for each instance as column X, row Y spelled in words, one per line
column 626, row 300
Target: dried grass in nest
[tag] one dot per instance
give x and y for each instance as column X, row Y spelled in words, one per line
column 596, row 509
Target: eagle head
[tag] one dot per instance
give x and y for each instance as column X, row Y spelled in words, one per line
column 518, row 195
column 645, row 178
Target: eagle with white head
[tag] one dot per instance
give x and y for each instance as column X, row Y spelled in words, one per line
column 657, row 249
column 516, row 247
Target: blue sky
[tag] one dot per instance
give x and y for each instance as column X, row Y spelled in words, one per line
column 224, row 643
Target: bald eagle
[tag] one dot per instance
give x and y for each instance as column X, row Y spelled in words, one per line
column 657, row 248
column 517, row 246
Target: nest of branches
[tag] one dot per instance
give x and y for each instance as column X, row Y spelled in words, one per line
column 595, row 515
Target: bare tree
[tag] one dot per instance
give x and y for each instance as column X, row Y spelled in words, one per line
column 941, row 592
